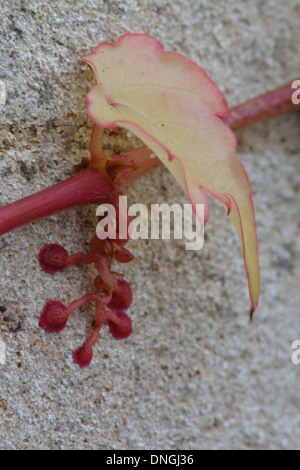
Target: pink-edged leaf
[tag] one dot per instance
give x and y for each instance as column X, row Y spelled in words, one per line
column 170, row 103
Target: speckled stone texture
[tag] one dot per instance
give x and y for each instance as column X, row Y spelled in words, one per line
column 194, row 374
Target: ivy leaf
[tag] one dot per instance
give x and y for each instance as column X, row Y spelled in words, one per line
column 170, row 103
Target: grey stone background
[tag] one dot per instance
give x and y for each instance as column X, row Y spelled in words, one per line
column 194, row 374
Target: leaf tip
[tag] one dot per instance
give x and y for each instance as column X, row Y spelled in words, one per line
column 252, row 310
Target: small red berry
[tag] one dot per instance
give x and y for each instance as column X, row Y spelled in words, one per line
column 83, row 355
column 121, row 330
column 53, row 317
column 121, row 297
column 52, row 258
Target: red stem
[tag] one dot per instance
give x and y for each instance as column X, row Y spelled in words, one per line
column 263, row 107
column 89, row 186
column 92, row 297
column 94, row 186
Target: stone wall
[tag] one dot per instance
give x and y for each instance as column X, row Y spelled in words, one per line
column 195, row 373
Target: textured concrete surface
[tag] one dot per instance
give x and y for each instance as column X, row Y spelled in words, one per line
column 194, row 374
